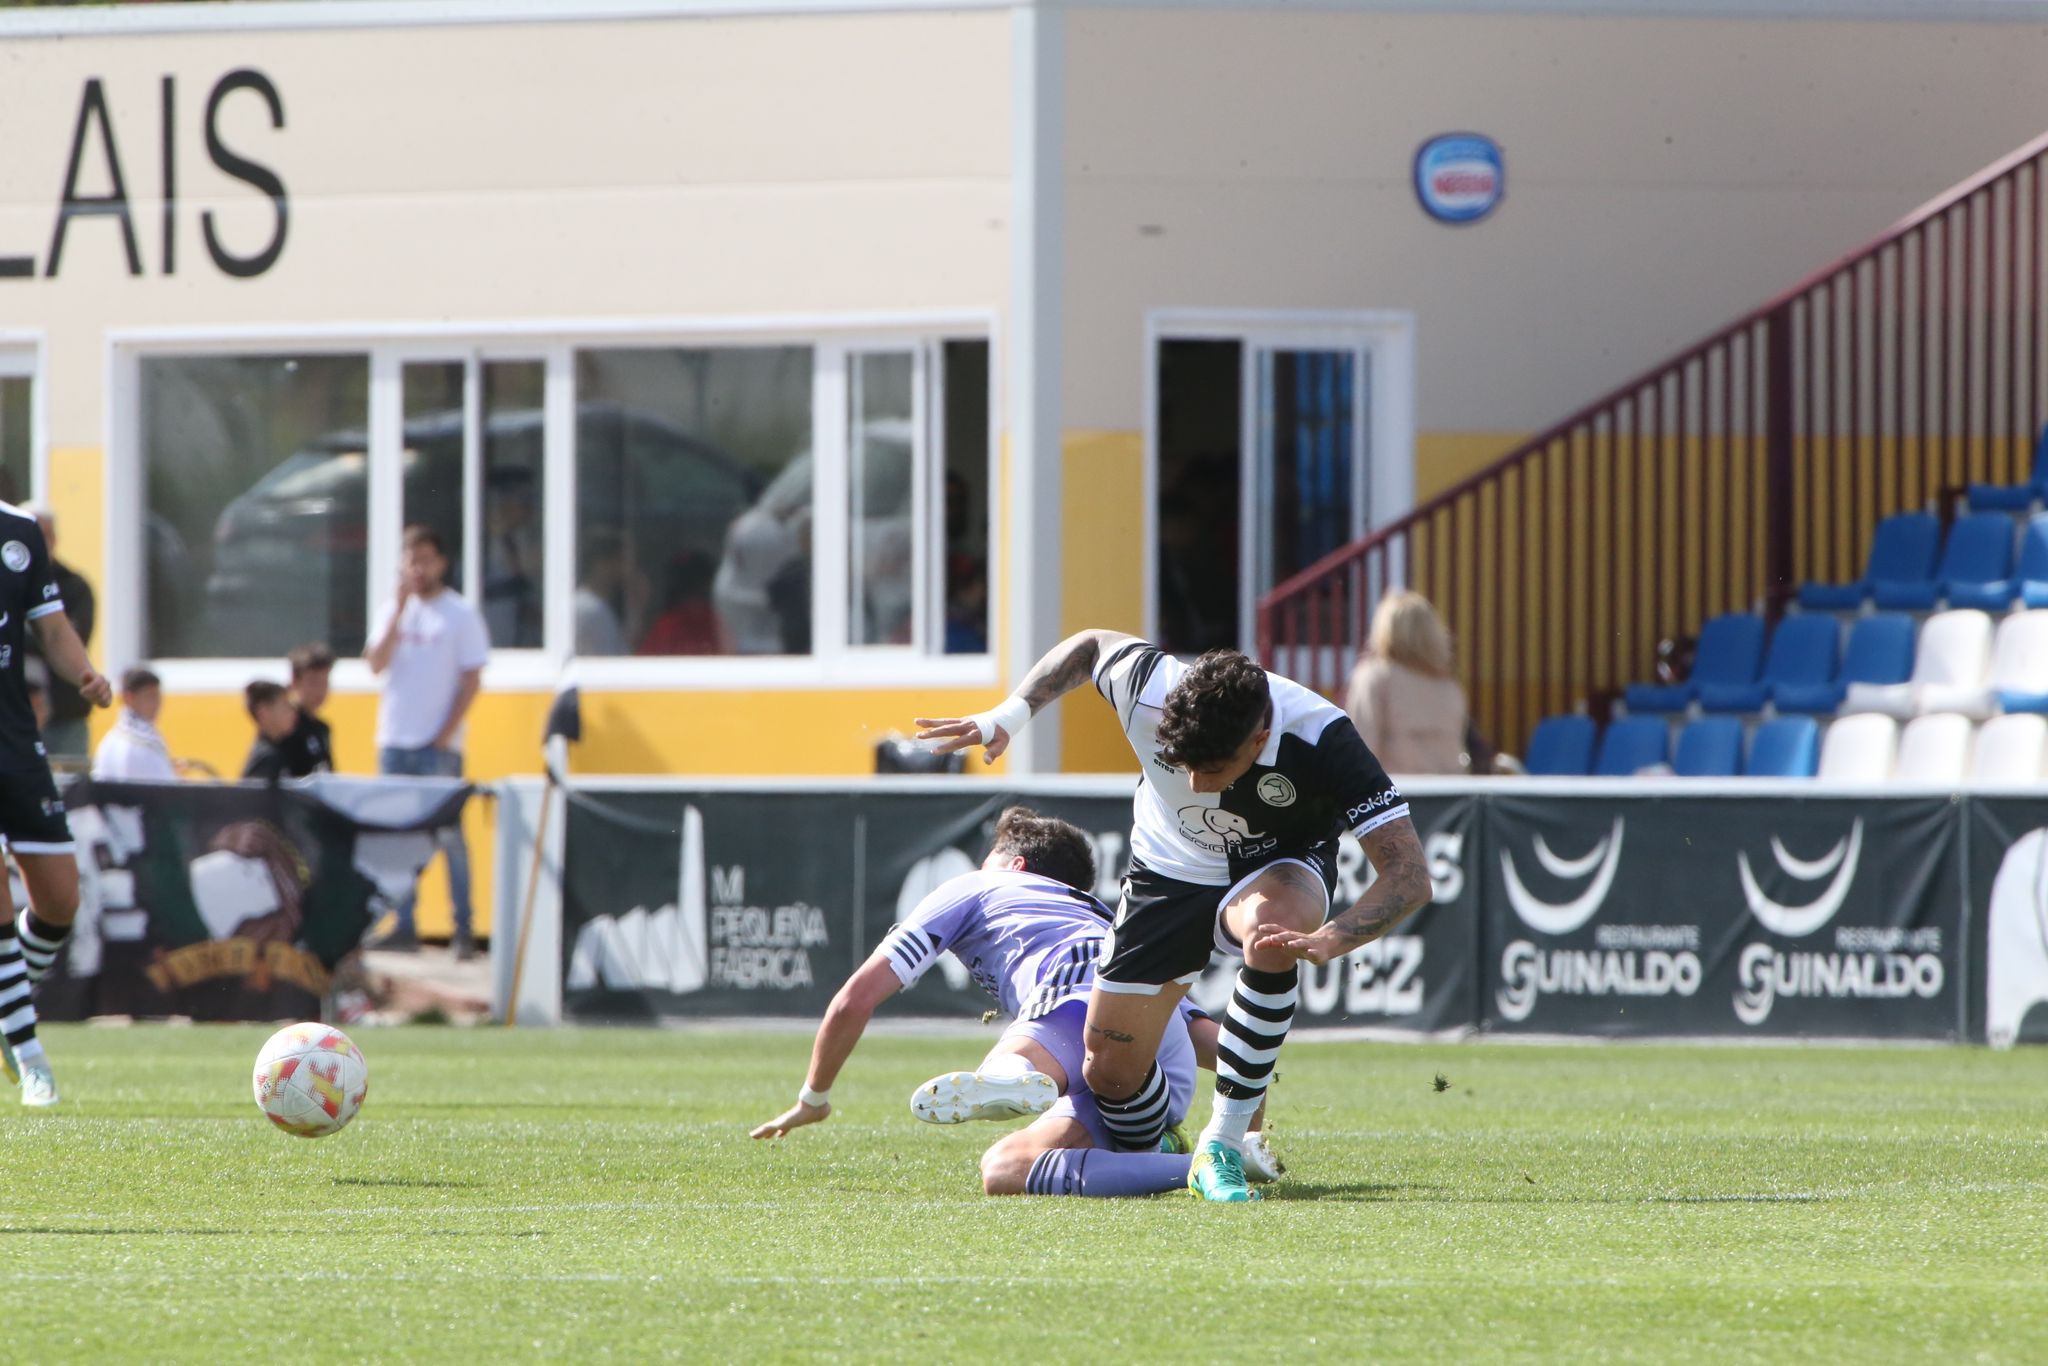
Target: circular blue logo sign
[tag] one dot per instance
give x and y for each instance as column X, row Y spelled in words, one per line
column 1459, row 177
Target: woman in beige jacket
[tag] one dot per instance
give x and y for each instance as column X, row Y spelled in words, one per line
column 1404, row 695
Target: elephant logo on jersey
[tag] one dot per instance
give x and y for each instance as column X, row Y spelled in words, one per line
column 14, row 555
column 1795, row 921
column 1275, row 790
column 1563, row 917
column 1220, row 831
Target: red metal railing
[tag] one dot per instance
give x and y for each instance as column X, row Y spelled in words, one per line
column 1761, row 457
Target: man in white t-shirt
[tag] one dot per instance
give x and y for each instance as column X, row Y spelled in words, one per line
column 134, row 750
column 430, row 644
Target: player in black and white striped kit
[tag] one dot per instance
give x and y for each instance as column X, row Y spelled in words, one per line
column 31, row 813
column 1249, row 781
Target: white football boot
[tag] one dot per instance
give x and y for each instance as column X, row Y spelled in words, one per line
column 1260, row 1162
column 38, row 1086
column 957, row 1097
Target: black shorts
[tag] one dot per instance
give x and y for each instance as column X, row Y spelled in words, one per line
column 32, row 814
column 1166, row 929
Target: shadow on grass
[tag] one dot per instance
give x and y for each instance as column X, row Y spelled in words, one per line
column 1433, row 1195
column 47, row 1230
column 1351, row 1190
column 415, row 1182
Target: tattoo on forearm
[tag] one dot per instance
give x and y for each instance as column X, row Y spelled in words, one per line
column 1401, row 888
column 1114, row 1036
column 1071, row 663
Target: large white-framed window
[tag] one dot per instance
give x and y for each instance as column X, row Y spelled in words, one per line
column 23, row 449
column 1271, row 439
column 681, row 505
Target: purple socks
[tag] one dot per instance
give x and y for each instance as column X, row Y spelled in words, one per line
column 1095, row 1172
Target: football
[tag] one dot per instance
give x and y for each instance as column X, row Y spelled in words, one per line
column 311, row 1080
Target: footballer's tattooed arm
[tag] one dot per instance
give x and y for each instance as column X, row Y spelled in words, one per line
column 1065, row 667
column 1401, row 888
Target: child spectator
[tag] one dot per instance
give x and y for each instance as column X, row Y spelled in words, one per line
column 134, row 750
column 310, row 746
column 270, row 707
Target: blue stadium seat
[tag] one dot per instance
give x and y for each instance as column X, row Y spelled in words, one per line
column 1729, row 649
column 1976, row 565
column 1902, row 551
column 1803, row 653
column 1880, row 650
column 2015, row 497
column 2033, row 567
column 1710, row 747
column 1788, row 747
column 1562, row 747
column 1633, row 744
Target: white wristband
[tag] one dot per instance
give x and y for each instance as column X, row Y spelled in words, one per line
column 1011, row 714
column 814, row 1099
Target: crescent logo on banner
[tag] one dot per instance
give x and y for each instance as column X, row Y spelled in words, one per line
column 1562, row 917
column 1797, row 921
column 2016, row 956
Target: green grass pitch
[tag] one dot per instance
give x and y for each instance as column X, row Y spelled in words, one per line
column 592, row 1195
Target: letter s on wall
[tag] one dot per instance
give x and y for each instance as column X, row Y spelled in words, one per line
column 249, row 172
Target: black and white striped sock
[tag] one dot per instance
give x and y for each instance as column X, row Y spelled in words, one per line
column 1136, row 1123
column 1261, row 1009
column 17, row 1007
column 40, row 942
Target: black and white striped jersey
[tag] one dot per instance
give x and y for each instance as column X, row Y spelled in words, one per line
column 1314, row 780
column 1028, row 941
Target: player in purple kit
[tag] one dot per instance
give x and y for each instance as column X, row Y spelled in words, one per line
column 1249, row 780
column 1030, row 935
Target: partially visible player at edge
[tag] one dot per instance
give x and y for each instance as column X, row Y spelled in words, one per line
column 31, row 813
column 1250, row 779
column 1030, row 932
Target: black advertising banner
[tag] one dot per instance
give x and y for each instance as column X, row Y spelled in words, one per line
column 752, row 902
column 2008, row 999
column 1719, row 915
column 708, row 903
column 232, row 901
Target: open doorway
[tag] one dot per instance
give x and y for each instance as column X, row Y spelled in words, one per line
column 1274, row 442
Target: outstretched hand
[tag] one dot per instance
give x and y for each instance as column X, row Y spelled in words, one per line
column 1319, row 947
column 795, row 1117
column 957, row 733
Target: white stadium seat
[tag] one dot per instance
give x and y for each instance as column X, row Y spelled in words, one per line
column 2010, row 749
column 2019, row 658
column 1950, row 670
column 1934, row 749
column 1859, row 749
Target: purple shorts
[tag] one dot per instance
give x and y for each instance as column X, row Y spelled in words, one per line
column 1060, row 1032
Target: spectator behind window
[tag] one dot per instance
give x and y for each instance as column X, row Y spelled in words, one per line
column 310, row 747
column 1404, row 695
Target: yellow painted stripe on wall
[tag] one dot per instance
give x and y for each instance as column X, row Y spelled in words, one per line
column 1102, row 516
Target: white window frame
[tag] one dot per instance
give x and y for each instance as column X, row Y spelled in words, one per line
column 1385, row 430
column 831, row 664
column 22, row 356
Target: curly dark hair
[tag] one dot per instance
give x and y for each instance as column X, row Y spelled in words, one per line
column 1219, row 703
column 1050, row 847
